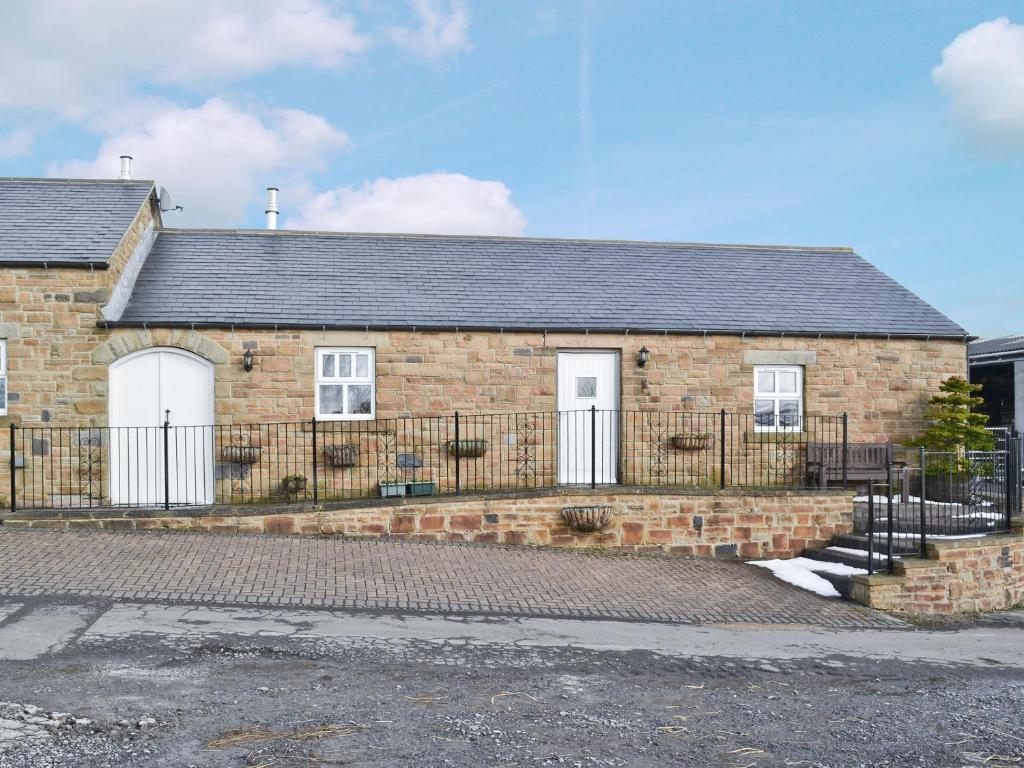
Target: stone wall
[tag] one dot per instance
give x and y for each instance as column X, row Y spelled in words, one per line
column 49, row 318
column 719, row 524
column 882, row 384
column 959, row 576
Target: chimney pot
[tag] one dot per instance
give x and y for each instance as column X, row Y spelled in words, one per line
column 126, row 167
column 272, row 209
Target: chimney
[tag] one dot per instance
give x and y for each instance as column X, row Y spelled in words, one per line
column 126, row 167
column 272, row 209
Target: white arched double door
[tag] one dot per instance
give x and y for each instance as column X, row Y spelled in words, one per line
column 146, row 388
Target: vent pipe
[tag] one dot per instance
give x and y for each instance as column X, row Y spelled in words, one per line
column 272, row 209
column 126, row 167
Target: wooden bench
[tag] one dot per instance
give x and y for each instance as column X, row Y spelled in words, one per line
column 864, row 461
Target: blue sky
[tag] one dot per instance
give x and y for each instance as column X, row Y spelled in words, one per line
column 805, row 123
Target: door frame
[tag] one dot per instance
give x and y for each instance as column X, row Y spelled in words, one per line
column 617, row 469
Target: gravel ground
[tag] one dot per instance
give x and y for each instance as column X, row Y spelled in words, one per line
column 285, row 703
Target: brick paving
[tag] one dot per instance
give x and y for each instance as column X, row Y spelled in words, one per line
column 404, row 575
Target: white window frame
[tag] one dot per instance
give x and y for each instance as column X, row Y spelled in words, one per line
column 3, row 376
column 370, row 379
column 776, row 396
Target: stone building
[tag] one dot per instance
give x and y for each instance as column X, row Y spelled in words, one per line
column 108, row 318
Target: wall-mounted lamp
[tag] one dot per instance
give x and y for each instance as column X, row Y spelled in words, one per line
column 643, row 357
column 247, row 360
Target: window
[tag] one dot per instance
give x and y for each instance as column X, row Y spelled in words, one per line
column 3, row 376
column 345, row 384
column 778, row 397
column 586, row 386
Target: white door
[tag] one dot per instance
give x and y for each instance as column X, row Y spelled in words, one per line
column 588, row 442
column 145, row 389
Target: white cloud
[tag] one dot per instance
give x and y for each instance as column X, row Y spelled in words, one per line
column 432, row 203
column 16, row 143
column 71, row 57
column 443, row 29
column 216, row 158
column 983, row 72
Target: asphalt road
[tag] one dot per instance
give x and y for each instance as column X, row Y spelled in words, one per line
column 163, row 684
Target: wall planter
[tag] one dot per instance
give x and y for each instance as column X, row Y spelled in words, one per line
column 691, row 441
column 396, row 488
column 587, row 519
column 342, row 454
column 294, row 483
column 421, row 488
column 241, row 454
column 472, row 448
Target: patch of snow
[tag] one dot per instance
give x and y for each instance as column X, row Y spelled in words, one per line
column 917, row 500
column 800, row 572
column 860, row 552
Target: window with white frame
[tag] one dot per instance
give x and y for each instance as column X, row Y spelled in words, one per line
column 778, row 397
column 345, row 383
column 3, row 376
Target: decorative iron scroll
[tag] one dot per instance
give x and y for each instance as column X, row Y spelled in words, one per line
column 782, row 458
column 658, row 426
column 90, row 464
column 387, row 454
column 526, row 448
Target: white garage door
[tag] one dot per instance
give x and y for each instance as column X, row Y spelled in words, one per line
column 145, row 389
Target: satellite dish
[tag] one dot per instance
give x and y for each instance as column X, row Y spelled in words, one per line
column 163, row 200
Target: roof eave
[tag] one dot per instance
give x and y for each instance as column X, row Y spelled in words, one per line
column 427, row 327
column 55, row 264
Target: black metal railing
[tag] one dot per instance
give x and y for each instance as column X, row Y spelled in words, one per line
column 946, row 495
column 322, row 461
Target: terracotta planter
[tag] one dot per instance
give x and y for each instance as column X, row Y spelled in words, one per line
column 691, row 441
column 241, row 454
column 587, row 519
column 468, row 449
column 342, row 454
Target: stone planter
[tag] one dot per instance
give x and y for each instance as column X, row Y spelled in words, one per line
column 946, row 488
column 342, row 455
column 241, row 454
column 587, row 519
column 421, row 488
column 468, row 449
column 388, row 490
column 691, row 441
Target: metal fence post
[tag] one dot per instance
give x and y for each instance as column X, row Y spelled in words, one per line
column 167, row 461
column 871, row 527
column 458, row 455
column 721, row 450
column 14, row 486
column 846, row 421
column 316, row 493
column 920, row 503
column 1008, row 468
column 593, row 446
column 888, row 513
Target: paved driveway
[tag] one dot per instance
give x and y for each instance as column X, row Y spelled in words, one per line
column 406, row 576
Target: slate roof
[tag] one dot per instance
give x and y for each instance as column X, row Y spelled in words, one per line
column 65, row 222
column 1010, row 346
column 258, row 278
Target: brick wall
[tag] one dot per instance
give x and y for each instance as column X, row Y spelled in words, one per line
column 959, row 576
column 720, row 524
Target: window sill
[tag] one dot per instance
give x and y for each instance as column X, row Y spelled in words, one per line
column 775, row 436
